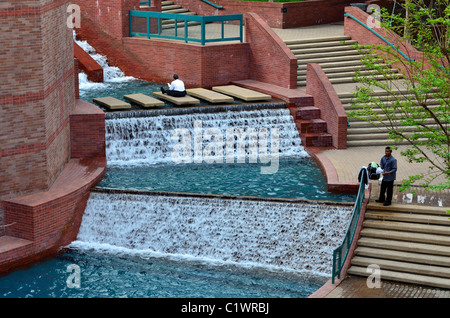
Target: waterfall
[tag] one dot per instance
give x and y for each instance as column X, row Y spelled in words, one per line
column 111, row 74
column 290, row 236
column 269, row 233
column 149, row 140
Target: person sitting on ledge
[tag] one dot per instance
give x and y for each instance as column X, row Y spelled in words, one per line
column 176, row 88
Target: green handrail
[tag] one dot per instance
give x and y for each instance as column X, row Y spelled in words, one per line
column 212, row 4
column 186, row 18
column 381, row 37
column 341, row 252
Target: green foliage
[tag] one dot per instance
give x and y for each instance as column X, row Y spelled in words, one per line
column 418, row 108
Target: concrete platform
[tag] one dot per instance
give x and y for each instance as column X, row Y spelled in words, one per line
column 144, row 100
column 241, row 93
column 180, row 101
column 112, row 103
column 209, row 95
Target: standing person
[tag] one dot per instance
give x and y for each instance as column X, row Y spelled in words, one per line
column 176, row 88
column 389, row 165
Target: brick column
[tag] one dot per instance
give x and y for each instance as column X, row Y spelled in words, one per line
column 36, row 95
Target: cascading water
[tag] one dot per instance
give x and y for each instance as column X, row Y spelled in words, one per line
column 149, row 140
column 291, row 236
column 247, row 233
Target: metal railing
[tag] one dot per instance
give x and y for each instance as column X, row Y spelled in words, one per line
column 212, row 4
column 381, row 37
column 185, row 36
column 341, row 252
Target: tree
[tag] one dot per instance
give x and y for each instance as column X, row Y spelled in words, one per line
column 418, row 109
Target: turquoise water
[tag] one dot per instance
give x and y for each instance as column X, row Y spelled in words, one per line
column 128, row 276
column 131, row 274
column 296, row 178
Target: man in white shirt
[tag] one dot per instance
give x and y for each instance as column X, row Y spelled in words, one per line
column 176, row 88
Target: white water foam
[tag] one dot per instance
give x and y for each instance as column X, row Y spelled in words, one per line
column 147, row 140
column 290, row 236
column 111, row 74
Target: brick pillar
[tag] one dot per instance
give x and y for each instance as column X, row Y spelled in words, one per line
column 37, row 94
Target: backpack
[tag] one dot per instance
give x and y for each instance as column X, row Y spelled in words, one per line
column 372, row 170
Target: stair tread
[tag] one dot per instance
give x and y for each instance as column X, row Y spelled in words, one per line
column 402, row 266
column 404, row 277
column 406, row 236
column 403, row 256
column 405, row 246
column 411, row 227
column 411, row 217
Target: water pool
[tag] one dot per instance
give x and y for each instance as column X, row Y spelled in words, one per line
column 298, row 178
column 160, row 247
column 124, row 275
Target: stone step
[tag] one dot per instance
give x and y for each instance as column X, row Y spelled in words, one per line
column 319, row 54
column 407, row 227
column 317, row 40
column 421, row 269
column 413, row 247
column 410, row 208
column 403, row 256
column 315, row 49
column 324, row 44
column 325, row 65
column 404, row 277
column 406, row 236
column 377, row 143
column 408, row 217
column 331, row 59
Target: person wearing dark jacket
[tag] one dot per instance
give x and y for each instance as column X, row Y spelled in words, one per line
column 389, row 165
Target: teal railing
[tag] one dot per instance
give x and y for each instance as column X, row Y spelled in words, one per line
column 380, row 36
column 185, row 36
column 341, row 252
column 212, row 4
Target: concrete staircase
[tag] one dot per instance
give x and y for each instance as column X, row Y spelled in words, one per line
column 410, row 244
column 171, row 7
column 338, row 59
column 362, row 133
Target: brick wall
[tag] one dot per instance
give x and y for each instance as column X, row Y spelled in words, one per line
column 327, row 100
column 36, row 95
column 271, row 61
column 277, row 15
column 51, row 152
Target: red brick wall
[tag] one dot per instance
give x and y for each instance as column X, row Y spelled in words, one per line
column 327, row 100
column 87, row 131
column 36, row 95
column 271, row 61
